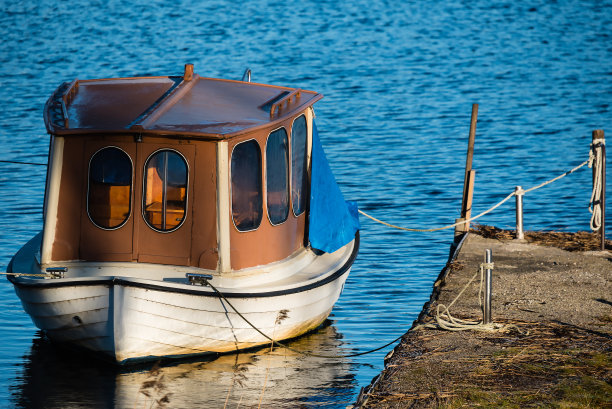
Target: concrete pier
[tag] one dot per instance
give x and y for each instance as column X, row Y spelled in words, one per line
column 556, row 346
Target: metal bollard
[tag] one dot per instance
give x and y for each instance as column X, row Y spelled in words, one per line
column 519, row 193
column 486, row 319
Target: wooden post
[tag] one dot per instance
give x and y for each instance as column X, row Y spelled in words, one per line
column 468, row 202
column 188, row 75
column 598, row 137
column 468, row 163
column 468, row 181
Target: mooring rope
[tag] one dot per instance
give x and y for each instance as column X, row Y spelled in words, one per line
column 275, row 342
column 592, row 157
column 22, row 163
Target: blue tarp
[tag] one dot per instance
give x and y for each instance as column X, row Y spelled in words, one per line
column 333, row 221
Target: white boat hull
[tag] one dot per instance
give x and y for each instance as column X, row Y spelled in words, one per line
column 127, row 323
column 128, row 319
column 74, row 314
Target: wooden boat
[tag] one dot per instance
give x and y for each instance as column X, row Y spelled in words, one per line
column 174, row 203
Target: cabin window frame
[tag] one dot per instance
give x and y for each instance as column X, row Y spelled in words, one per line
column 144, row 193
column 130, row 194
column 305, row 192
column 231, row 189
column 288, row 173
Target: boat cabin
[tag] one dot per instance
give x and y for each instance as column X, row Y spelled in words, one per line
column 186, row 171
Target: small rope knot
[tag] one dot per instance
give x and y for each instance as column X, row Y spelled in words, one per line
column 487, row 266
column 592, row 156
column 599, row 142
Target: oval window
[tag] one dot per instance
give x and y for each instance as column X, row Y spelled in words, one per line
column 277, row 178
column 110, row 188
column 299, row 173
column 247, row 200
column 165, row 190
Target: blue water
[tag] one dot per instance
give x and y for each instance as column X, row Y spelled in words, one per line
column 399, row 81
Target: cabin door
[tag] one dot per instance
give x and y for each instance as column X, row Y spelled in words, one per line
column 108, row 208
column 162, row 231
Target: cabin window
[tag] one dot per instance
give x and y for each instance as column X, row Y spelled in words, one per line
column 110, row 188
column 246, row 186
column 165, row 190
column 277, row 176
column 299, row 175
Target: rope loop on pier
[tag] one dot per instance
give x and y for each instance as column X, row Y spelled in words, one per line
column 444, row 319
column 593, row 157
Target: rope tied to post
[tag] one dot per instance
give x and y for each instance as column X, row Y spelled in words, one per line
column 596, row 163
column 445, row 320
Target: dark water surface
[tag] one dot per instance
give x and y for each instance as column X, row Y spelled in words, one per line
column 398, row 80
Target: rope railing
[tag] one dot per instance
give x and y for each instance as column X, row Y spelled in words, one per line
column 592, row 159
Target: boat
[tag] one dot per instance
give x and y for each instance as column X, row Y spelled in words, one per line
column 184, row 215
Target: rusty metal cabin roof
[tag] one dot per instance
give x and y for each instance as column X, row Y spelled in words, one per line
column 190, row 106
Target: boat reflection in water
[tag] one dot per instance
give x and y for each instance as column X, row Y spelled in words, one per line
column 57, row 378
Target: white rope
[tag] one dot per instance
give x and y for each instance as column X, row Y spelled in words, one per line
column 504, row 200
column 586, row 162
column 443, row 227
column 444, row 319
column 596, row 163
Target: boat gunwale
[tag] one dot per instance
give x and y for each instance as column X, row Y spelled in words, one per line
column 205, row 291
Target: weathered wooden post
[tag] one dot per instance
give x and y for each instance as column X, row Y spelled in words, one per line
column 468, row 181
column 600, row 141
